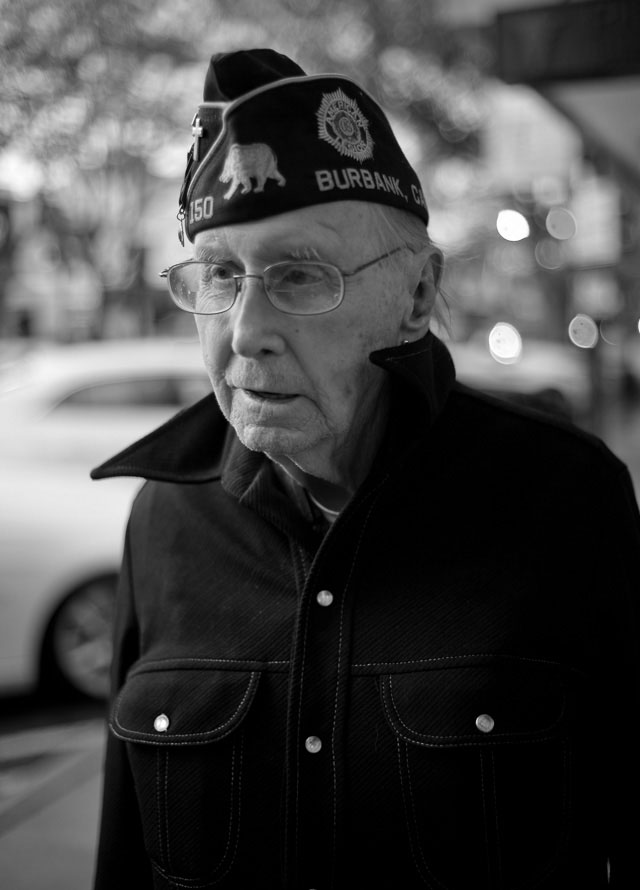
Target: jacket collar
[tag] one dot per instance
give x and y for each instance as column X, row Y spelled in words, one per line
column 196, row 444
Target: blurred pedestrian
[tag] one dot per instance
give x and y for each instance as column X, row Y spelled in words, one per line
column 373, row 629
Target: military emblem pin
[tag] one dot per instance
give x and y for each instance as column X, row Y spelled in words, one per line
column 344, row 126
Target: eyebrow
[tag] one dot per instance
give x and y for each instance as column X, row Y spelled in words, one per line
column 305, row 253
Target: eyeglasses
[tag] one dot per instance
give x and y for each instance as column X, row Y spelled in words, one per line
column 295, row 288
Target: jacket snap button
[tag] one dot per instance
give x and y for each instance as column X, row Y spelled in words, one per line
column 485, row 723
column 161, row 723
column 325, row 598
column 313, row 744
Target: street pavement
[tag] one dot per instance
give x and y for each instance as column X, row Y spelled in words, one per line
column 50, row 787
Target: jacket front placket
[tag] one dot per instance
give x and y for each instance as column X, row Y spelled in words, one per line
column 318, row 702
column 318, row 678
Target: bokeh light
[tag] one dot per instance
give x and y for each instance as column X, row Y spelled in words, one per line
column 548, row 254
column 505, row 343
column 561, row 223
column 583, row 331
column 512, row 226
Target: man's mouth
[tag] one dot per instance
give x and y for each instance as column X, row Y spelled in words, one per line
column 269, row 396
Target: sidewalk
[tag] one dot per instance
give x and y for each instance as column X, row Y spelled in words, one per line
column 50, row 787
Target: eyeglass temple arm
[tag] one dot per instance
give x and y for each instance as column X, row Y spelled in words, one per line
column 377, row 260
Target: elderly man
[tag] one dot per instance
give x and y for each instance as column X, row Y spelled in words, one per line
column 373, row 629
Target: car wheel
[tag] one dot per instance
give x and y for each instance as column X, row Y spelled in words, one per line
column 78, row 647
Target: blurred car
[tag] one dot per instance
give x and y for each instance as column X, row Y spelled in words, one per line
column 64, row 409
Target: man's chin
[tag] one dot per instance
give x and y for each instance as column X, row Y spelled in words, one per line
column 274, row 441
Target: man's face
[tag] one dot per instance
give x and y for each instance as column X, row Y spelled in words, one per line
column 301, row 387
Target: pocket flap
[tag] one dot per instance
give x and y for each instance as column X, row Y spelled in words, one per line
column 182, row 706
column 475, row 705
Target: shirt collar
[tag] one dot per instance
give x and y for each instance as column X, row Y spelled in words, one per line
column 197, row 445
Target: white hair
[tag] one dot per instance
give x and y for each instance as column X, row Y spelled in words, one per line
column 392, row 227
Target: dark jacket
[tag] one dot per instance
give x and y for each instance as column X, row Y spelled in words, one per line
column 460, row 712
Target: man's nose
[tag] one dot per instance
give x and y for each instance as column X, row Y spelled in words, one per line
column 257, row 326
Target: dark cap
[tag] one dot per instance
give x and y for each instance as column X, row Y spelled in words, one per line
column 269, row 138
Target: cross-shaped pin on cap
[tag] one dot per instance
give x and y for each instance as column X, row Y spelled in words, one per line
column 197, row 132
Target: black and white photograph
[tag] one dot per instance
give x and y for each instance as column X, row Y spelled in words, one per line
column 319, row 444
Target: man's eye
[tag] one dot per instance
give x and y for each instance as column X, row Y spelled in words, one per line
column 216, row 273
column 303, row 275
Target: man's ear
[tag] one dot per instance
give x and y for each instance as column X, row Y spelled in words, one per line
column 416, row 322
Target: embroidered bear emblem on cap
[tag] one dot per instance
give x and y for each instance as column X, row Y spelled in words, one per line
column 246, row 162
column 344, row 126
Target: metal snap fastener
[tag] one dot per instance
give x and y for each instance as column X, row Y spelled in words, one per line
column 324, row 598
column 485, row 722
column 313, row 744
column 161, row 723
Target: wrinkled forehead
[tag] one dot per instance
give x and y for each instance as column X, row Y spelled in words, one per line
column 341, row 230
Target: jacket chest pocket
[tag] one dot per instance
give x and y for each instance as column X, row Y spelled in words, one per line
column 184, row 734
column 483, row 762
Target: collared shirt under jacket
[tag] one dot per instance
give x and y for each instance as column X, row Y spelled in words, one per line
column 439, row 691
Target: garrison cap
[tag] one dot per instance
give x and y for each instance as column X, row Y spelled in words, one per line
column 269, row 138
